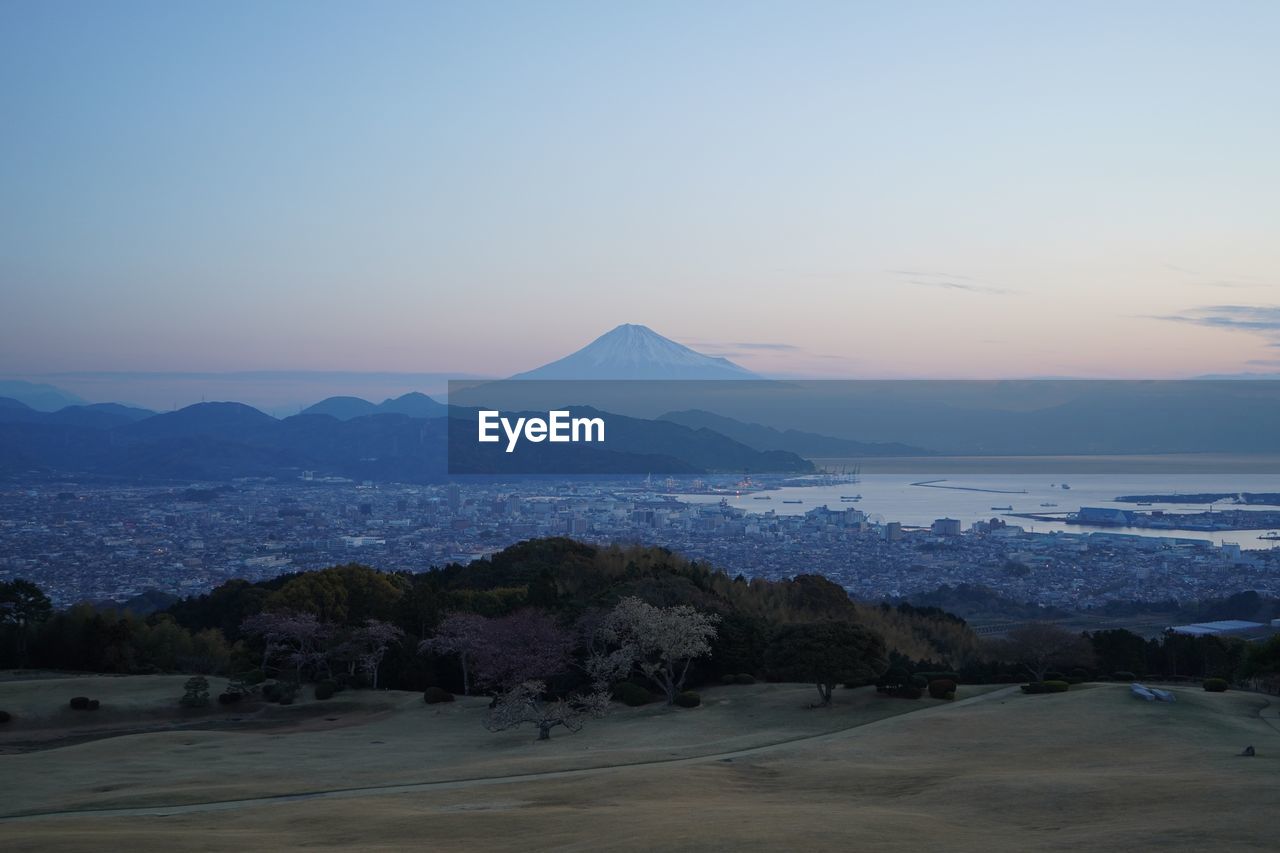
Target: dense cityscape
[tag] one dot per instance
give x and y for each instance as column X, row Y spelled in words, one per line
column 83, row 543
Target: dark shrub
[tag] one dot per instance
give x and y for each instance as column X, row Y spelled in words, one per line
column 631, row 694
column 326, row 689
column 93, row 705
column 1216, row 685
column 919, row 681
column 271, row 692
column 286, row 700
column 934, row 676
column 942, row 688
column 1034, row 687
column 1124, row 675
column 1054, row 676
column 729, row 679
column 80, row 703
column 688, row 699
column 745, row 678
column 5, row 716
column 1056, row 685
column 436, row 695
column 229, row 698
column 354, row 681
column 253, row 676
column 908, row 691
column 1082, row 674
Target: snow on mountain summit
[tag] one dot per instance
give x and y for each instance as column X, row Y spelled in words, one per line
column 637, row 352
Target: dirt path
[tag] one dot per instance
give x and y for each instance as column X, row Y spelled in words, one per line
column 456, row 784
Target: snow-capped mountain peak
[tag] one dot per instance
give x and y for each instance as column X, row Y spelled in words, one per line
column 631, row 351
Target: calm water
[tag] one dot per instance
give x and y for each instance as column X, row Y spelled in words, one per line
column 891, row 497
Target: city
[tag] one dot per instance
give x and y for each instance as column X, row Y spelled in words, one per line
column 112, row 543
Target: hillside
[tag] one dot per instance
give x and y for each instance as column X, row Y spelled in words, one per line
column 751, row 769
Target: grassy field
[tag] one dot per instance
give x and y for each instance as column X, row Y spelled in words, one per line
column 751, row 769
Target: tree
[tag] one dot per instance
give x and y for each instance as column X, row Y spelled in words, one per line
column 1118, row 650
column 371, row 643
column 524, row 646
column 826, row 654
column 524, row 703
column 23, row 605
column 460, row 634
column 661, row 642
column 1038, row 646
column 297, row 639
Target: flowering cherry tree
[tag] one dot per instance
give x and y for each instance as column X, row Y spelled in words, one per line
column 660, row 642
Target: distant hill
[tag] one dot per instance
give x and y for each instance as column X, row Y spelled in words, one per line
column 413, row 404
column 342, row 408
column 808, row 444
column 637, row 352
column 39, row 396
column 97, row 415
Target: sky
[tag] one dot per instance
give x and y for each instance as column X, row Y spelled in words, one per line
column 843, row 189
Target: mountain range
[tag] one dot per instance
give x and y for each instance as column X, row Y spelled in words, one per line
column 225, row 440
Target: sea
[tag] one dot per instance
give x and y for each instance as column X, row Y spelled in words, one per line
column 954, row 492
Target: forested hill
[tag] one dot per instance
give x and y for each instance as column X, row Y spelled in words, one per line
column 568, row 578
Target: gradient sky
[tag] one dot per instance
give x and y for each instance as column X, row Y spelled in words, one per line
column 946, row 189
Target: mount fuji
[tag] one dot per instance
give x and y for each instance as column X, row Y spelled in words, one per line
column 637, row 352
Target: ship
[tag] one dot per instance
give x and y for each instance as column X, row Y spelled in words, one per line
column 793, row 502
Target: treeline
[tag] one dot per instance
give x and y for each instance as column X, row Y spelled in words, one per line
column 562, row 578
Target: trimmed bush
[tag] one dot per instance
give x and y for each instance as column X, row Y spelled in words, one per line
column 79, row 703
column 729, row 679
column 229, row 698
column 325, row 690
column 271, row 692
column 436, row 695
column 5, row 716
column 1216, row 685
column 93, row 705
column 688, row 699
column 253, row 676
column 942, row 688
column 196, row 693
column 1034, row 687
column 919, row 681
column 907, row 691
column 631, row 694
column 1124, row 675
column 1055, row 685
column 1054, row 676
column 745, row 678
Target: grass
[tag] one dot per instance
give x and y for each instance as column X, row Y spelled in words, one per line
column 1090, row 769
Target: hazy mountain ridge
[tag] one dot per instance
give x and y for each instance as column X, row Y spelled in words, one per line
column 807, row 444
